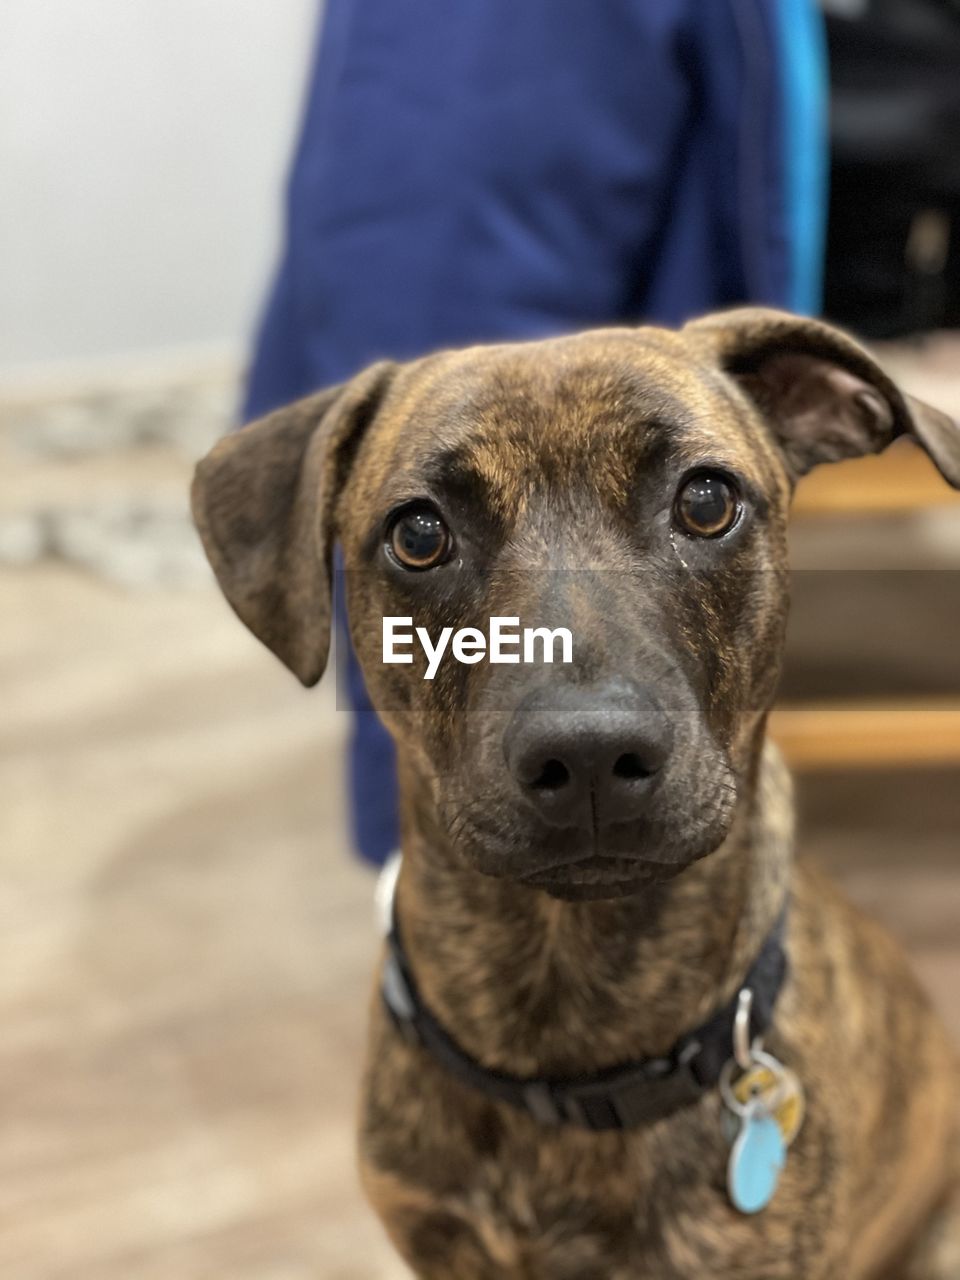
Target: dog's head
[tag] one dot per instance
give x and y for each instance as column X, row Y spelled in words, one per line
column 631, row 486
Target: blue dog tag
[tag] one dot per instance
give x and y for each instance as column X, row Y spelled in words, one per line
column 756, row 1161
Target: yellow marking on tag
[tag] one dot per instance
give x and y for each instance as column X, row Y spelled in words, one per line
column 760, row 1081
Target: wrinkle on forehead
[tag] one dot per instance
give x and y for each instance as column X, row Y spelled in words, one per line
column 570, row 414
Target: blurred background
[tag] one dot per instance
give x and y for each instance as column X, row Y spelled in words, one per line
column 187, row 939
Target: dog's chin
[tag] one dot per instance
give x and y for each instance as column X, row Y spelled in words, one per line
column 601, row 876
column 586, row 884
column 575, row 870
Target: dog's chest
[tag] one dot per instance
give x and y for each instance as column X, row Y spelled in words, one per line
column 624, row 1207
column 494, row 1195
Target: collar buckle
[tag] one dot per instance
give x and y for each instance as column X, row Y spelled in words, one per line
column 635, row 1096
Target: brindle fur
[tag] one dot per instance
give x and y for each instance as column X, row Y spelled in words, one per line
column 564, row 455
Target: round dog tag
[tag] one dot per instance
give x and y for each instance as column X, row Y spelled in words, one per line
column 756, row 1161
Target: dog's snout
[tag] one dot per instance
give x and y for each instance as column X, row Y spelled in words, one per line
column 588, row 756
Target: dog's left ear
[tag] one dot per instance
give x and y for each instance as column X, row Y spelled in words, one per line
column 264, row 503
column 825, row 395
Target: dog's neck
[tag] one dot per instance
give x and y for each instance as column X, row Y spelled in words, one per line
column 532, row 985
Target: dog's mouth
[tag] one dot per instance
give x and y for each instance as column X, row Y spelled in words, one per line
column 600, row 875
column 603, row 860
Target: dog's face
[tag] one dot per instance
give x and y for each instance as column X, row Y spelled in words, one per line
column 591, row 484
column 631, row 486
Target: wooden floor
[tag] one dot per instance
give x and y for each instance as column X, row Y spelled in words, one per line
column 185, row 946
column 185, row 950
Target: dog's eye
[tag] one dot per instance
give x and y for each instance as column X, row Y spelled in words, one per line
column 708, row 504
column 418, row 538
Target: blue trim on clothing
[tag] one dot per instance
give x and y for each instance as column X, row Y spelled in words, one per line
column 803, row 60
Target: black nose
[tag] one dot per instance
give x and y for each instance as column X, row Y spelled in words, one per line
column 587, row 756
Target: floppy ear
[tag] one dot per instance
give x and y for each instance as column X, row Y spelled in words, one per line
column 825, row 395
column 263, row 501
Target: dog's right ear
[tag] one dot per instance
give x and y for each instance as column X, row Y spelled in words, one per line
column 264, row 500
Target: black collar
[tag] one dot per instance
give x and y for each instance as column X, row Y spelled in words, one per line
column 624, row 1097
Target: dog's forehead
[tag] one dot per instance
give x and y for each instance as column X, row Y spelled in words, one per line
column 527, row 415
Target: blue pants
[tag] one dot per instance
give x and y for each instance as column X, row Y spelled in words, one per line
column 498, row 169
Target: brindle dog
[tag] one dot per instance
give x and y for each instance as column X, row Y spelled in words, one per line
column 594, row 853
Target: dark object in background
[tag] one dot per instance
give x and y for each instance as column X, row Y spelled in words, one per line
column 893, row 253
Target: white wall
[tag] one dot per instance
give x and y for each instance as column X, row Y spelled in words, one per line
column 143, row 145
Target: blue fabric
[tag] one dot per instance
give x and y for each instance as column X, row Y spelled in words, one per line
column 515, row 168
column 805, row 96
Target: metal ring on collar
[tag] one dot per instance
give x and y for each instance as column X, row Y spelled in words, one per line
column 758, row 1058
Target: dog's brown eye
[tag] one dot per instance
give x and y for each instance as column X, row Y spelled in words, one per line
column 708, row 505
column 419, row 539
